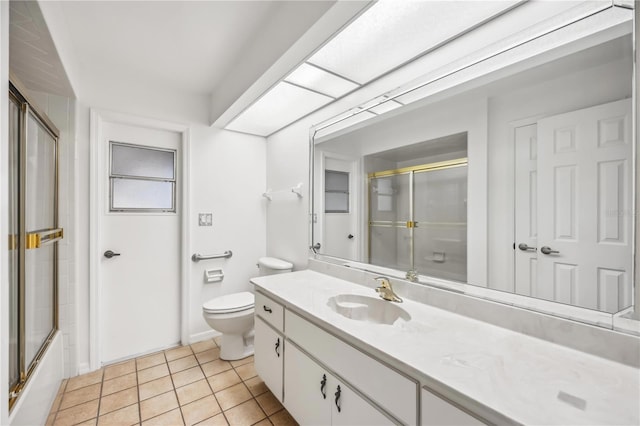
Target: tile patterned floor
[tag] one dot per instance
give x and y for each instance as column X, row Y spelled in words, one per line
column 187, row 385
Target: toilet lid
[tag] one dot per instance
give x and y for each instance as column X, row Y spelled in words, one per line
column 275, row 264
column 230, row 303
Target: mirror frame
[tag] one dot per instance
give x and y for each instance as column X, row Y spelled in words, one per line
column 626, row 321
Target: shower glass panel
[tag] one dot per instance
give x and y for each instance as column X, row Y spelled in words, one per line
column 389, row 212
column 33, row 234
column 40, row 215
column 418, row 219
column 13, row 230
column 440, row 215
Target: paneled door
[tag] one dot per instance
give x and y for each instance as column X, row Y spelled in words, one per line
column 140, row 250
column 340, row 209
column 526, row 210
column 584, row 205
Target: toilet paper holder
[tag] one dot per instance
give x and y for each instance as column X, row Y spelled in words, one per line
column 213, row 275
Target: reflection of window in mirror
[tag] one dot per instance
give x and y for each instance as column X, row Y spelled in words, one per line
column 336, row 192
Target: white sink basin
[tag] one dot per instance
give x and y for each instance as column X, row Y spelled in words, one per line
column 367, row 309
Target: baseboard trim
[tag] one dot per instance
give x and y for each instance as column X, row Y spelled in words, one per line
column 198, row 337
column 84, row 368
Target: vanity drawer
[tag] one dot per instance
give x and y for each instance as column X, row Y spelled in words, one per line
column 369, row 376
column 272, row 312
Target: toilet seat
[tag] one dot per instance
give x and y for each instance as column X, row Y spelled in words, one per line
column 229, row 303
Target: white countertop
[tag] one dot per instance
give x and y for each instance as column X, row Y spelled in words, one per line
column 526, row 380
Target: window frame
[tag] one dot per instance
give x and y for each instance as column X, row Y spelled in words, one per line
column 112, row 176
column 337, row 191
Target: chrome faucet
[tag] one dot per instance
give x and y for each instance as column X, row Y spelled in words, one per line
column 386, row 291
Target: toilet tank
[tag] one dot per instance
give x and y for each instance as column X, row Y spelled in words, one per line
column 272, row 265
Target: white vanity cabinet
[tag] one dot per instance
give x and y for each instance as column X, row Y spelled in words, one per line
column 390, row 390
column 268, row 343
column 320, row 372
column 314, row 396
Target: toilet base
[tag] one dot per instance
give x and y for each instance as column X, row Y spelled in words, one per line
column 236, row 346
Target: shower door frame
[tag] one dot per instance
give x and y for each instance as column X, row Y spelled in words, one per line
column 409, row 224
column 24, row 240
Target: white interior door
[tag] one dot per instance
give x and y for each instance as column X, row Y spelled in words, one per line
column 584, row 207
column 139, row 291
column 340, row 211
column 526, row 222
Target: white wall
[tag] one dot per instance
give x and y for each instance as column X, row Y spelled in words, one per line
column 4, row 210
column 227, row 179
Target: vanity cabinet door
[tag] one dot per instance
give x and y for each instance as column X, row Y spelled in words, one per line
column 438, row 412
column 350, row 409
column 269, row 354
column 307, row 389
column 315, row 397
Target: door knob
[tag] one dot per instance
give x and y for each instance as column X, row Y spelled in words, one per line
column 109, row 254
column 548, row 250
column 350, row 236
column 525, row 247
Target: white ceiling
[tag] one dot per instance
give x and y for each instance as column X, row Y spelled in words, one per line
column 192, row 46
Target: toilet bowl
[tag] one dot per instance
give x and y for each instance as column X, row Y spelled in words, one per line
column 232, row 314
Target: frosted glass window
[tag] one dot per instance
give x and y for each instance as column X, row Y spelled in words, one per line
column 138, row 194
column 336, row 192
column 142, row 178
column 128, row 160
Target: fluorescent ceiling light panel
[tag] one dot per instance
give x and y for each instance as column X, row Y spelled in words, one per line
column 280, row 106
column 321, row 81
column 391, row 33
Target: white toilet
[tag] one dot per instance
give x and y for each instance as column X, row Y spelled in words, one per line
column 232, row 314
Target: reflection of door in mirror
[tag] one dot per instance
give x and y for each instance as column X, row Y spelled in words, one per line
column 340, row 210
column 573, row 195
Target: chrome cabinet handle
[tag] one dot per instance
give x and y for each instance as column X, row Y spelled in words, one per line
column 337, row 401
column 525, row 247
column 109, row 254
column 548, row 250
column 323, row 384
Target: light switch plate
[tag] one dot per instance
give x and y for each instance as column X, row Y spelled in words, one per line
column 205, row 219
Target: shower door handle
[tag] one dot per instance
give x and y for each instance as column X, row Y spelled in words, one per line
column 109, row 254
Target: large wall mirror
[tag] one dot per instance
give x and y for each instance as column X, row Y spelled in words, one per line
column 513, row 173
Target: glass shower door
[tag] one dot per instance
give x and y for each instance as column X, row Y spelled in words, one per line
column 390, row 238
column 14, row 232
column 40, row 225
column 440, row 212
column 32, row 186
